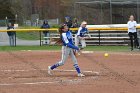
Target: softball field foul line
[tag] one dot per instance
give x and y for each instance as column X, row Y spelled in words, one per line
column 119, row 53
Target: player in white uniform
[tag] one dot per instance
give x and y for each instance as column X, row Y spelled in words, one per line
column 67, row 49
column 80, row 36
column 132, row 32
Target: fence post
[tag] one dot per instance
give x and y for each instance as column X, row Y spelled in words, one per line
column 40, row 37
column 15, row 39
column 99, row 37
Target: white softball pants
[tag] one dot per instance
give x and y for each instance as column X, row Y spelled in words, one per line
column 78, row 40
column 66, row 51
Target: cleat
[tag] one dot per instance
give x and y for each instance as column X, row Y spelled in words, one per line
column 49, row 70
column 81, row 75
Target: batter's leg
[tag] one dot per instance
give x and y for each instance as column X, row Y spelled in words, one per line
column 65, row 54
column 75, row 61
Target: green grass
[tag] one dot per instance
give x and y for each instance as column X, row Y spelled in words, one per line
column 89, row 48
column 18, row 48
column 34, row 35
column 28, row 35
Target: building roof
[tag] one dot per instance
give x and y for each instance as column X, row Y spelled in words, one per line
column 107, row 3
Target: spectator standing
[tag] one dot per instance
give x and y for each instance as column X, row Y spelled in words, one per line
column 68, row 21
column 11, row 34
column 46, row 33
column 75, row 25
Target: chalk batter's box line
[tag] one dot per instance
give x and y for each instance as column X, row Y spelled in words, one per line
column 27, row 83
column 60, row 70
column 40, row 82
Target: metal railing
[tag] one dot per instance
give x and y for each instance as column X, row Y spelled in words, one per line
column 98, row 31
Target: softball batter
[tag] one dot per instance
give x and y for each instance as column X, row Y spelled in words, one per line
column 67, row 49
column 80, row 36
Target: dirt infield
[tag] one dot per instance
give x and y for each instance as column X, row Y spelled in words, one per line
column 26, row 72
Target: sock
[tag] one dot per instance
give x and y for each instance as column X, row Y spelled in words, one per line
column 77, row 68
column 54, row 66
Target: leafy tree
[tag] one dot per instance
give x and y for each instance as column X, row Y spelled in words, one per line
column 5, row 9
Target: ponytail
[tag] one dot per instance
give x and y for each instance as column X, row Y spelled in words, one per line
column 60, row 32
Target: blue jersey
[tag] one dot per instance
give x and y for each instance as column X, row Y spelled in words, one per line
column 45, row 26
column 10, row 33
column 67, row 40
column 82, row 31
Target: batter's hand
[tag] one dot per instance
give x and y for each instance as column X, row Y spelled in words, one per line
column 76, row 52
